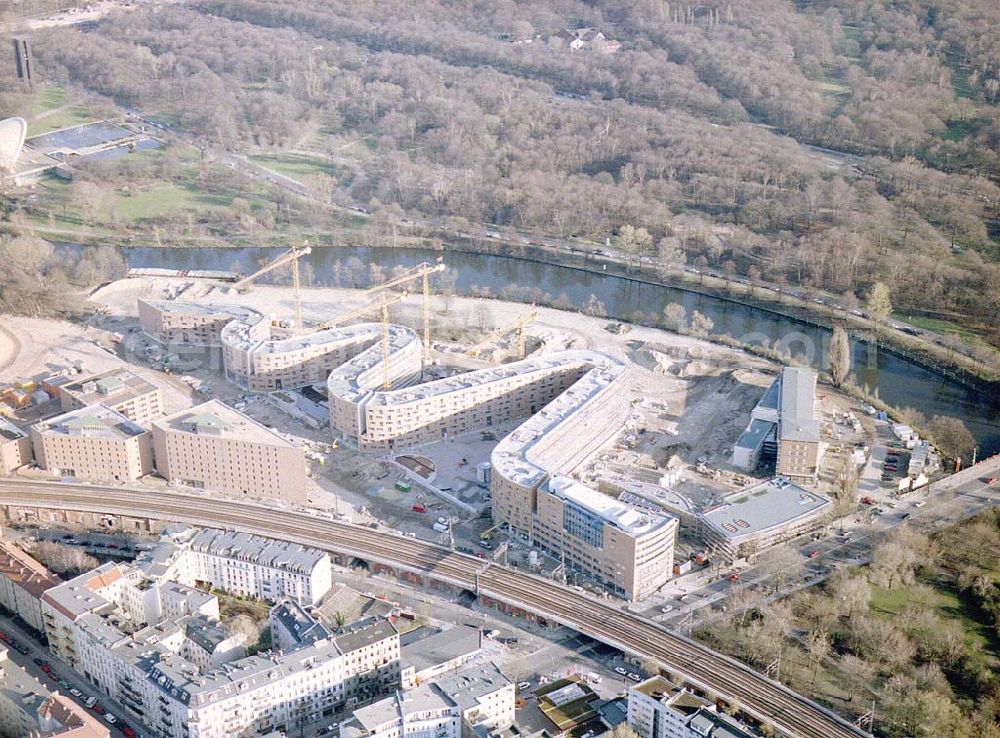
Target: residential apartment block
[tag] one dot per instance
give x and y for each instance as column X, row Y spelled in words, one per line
column 23, row 581
column 170, row 321
column 93, row 442
column 473, row 700
column 15, row 447
column 214, row 447
column 118, row 626
column 241, row 563
column 659, row 709
column 121, row 390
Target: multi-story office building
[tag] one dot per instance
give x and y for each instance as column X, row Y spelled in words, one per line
column 93, row 442
column 214, row 447
column 23, row 581
column 659, row 709
column 628, row 550
column 185, row 677
column 15, row 447
column 762, row 515
column 474, row 700
column 121, row 390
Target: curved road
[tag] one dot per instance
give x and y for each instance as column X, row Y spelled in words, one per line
column 9, row 352
column 755, row 694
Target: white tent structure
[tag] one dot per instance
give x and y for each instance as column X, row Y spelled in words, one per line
column 12, row 133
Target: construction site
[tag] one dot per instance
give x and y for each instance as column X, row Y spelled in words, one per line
column 414, row 409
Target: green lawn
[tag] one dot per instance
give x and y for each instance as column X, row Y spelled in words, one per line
column 946, row 603
column 939, row 325
column 71, row 115
column 296, row 166
column 958, row 129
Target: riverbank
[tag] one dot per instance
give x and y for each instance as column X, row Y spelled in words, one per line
column 973, row 373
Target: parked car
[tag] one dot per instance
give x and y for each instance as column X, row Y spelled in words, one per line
column 621, row 670
column 76, row 692
column 521, row 686
column 110, row 718
column 634, row 677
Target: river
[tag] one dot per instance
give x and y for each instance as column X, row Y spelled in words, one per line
column 897, row 381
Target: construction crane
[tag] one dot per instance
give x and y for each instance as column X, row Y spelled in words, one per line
column 360, row 312
column 291, row 256
column 423, row 271
column 382, row 305
column 517, row 324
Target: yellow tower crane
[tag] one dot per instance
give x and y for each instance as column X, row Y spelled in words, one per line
column 420, row 271
column 518, row 324
column 381, row 305
column 291, row 256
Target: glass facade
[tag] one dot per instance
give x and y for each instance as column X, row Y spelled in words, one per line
column 583, row 524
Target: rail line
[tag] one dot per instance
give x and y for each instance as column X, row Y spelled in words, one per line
column 755, row 694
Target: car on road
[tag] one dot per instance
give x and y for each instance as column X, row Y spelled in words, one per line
column 667, row 608
column 46, row 667
column 683, row 597
column 734, row 577
column 992, row 480
column 634, row 677
column 812, row 554
column 485, row 544
column 76, row 692
column 621, row 670
column 38, row 661
column 521, row 686
column 65, row 685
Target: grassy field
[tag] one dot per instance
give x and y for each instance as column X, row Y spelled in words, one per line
column 52, row 111
column 295, row 166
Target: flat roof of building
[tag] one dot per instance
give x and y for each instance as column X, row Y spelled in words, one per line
column 200, row 309
column 798, row 398
column 426, row 698
column 627, row 518
column 363, row 633
column 82, row 594
column 93, row 421
column 513, row 457
column 440, row 648
column 467, row 686
column 110, row 387
column 263, row 551
column 215, row 419
column 9, row 431
column 363, row 374
column 763, row 507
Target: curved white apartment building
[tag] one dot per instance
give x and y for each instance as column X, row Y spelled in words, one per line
column 574, row 402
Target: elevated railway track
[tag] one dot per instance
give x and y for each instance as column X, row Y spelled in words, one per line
column 756, row 695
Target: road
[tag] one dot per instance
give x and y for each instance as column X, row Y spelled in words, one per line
column 10, row 347
column 62, row 672
column 757, row 695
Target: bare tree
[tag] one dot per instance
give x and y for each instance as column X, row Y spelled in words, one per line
column 701, row 324
column 951, row 436
column 879, row 304
column 840, row 356
column 675, row 317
